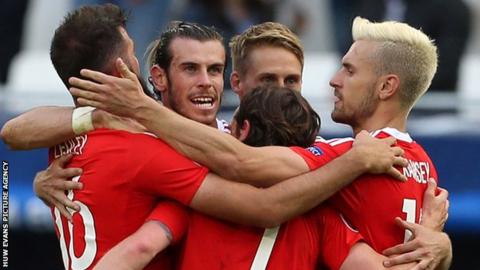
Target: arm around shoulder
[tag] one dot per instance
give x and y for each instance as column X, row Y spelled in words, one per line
column 39, row 127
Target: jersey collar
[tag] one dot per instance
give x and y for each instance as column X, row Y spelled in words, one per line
column 394, row 133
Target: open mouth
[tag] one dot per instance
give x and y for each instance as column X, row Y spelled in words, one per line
column 203, row 102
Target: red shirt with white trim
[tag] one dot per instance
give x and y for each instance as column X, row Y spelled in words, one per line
column 124, row 177
column 318, row 238
column 372, row 202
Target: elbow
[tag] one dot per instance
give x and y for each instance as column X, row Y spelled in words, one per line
column 143, row 249
column 8, row 138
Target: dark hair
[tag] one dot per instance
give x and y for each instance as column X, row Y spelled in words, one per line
column 159, row 51
column 88, row 37
column 278, row 116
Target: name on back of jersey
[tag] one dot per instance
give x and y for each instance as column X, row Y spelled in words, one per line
column 418, row 170
column 74, row 146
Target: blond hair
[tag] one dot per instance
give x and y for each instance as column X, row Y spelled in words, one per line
column 264, row 34
column 404, row 51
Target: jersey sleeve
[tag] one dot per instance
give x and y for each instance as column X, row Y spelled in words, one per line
column 166, row 173
column 337, row 239
column 173, row 216
column 317, row 155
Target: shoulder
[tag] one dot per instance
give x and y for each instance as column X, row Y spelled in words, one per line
column 335, row 145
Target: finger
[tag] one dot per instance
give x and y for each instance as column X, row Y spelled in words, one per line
column 447, row 205
column 81, row 93
column 67, row 185
column 69, row 173
column 406, row 225
column 74, row 206
column 122, row 68
column 96, row 76
column 431, row 187
column 400, row 248
column 400, row 161
column 422, row 265
column 87, row 102
column 398, row 151
column 61, row 198
column 389, row 140
column 443, row 194
column 62, row 161
column 85, row 84
column 63, row 211
column 403, row 258
column 397, row 174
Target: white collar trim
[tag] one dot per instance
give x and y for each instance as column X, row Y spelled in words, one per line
column 394, row 133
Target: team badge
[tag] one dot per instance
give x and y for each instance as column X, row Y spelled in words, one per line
column 316, row 151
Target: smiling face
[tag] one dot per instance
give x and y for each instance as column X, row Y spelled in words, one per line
column 195, row 79
column 268, row 65
column 355, row 85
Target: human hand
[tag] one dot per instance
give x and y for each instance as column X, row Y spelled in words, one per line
column 435, row 207
column 379, row 155
column 427, row 247
column 50, row 185
column 118, row 95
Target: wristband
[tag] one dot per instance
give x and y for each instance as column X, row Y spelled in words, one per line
column 82, row 120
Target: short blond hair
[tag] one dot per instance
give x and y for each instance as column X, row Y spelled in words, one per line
column 264, row 34
column 404, row 51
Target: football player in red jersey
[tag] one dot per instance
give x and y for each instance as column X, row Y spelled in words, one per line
column 102, row 154
column 374, row 90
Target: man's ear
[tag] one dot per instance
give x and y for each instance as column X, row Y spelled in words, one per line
column 235, row 82
column 389, row 86
column 244, row 130
column 159, row 78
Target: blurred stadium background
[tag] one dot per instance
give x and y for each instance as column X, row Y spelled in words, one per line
column 446, row 123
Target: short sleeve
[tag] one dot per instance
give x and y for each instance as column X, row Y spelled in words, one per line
column 316, row 155
column 166, row 173
column 173, row 216
column 337, row 239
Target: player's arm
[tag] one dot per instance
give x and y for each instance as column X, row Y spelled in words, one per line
column 39, row 127
column 222, row 153
column 269, row 207
column 246, row 204
column 49, row 126
column 137, row 250
column 165, row 225
column 363, row 257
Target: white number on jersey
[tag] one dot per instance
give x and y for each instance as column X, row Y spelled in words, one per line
column 86, row 258
column 409, row 208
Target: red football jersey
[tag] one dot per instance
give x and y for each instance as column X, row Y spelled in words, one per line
column 372, row 202
column 124, row 175
column 317, row 238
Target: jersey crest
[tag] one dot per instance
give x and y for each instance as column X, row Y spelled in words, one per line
column 315, row 150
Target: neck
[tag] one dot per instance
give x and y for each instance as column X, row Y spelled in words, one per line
column 384, row 117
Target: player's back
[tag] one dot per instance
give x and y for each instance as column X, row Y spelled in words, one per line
column 372, row 202
column 114, row 200
column 305, row 242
